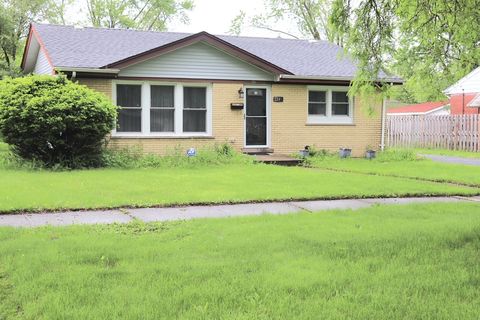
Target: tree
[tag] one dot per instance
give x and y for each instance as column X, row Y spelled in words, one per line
column 310, row 16
column 138, row 14
column 430, row 43
column 15, row 18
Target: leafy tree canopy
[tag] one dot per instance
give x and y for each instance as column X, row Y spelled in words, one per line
column 430, row 43
column 138, row 14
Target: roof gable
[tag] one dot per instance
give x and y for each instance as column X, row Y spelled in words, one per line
column 475, row 103
column 468, row 84
column 198, row 60
column 196, row 38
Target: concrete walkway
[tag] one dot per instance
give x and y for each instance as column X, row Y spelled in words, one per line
column 195, row 212
column 454, row 160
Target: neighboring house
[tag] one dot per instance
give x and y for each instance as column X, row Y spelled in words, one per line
column 426, row 108
column 465, row 94
column 190, row 90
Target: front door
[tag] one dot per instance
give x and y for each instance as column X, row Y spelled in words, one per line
column 256, row 121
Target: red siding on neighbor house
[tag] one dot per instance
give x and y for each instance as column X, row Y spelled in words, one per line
column 418, row 108
column 458, row 101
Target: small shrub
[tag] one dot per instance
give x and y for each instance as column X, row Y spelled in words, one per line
column 121, row 158
column 397, row 155
column 319, row 153
column 133, row 157
column 224, row 149
column 54, row 121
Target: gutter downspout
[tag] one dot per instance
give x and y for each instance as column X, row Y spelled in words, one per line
column 384, row 107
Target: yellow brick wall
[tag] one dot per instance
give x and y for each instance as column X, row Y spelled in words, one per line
column 289, row 132
column 101, row 85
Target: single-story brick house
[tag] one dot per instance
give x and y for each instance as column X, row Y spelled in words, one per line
column 189, row 90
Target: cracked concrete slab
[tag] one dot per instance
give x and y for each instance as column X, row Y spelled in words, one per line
column 182, row 213
column 331, row 204
column 64, row 218
column 474, row 199
column 410, row 200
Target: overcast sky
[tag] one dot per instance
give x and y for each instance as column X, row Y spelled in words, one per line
column 215, row 16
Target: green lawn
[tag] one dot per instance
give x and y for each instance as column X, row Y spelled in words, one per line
column 385, row 262
column 422, row 169
column 36, row 190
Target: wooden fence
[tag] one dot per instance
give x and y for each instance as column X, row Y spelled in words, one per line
column 455, row 132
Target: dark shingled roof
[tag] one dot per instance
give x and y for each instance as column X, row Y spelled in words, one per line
column 87, row 47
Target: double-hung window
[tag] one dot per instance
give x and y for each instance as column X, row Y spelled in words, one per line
column 329, row 105
column 162, row 108
column 194, row 109
column 129, row 98
column 158, row 109
column 317, row 103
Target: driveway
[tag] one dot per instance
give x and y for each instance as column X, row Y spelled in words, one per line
column 454, row 160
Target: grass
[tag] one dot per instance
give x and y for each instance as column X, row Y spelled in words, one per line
column 38, row 190
column 416, row 168
column 385, row 262
column 213, row 177
column 3, row 146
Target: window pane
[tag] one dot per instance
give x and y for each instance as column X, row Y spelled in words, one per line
column 162, row 120
column 129, row 120
column 194, row 97
column 317, row 109
column 162, row 96
column 256, row 131
column 256, row 102
column 317, row 96
column 194, row 120
column 129, row 96
column 340, row 109
column 338, row 96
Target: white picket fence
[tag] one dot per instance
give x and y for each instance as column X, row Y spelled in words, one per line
column 455, row 132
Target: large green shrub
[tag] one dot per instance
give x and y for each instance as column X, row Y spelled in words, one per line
column 54, row 121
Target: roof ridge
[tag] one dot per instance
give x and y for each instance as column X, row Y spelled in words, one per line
column 77, row 27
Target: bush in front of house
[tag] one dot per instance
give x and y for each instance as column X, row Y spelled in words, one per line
column 54, row 121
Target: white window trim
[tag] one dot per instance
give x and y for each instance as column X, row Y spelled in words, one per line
column 178, row 102
column 329, row 118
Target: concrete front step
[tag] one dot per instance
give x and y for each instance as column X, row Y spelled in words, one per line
column 278, row 159
column 257, row 150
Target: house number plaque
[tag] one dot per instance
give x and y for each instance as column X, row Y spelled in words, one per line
column 277, row 99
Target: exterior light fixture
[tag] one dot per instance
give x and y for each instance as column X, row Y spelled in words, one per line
column 241, row 93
